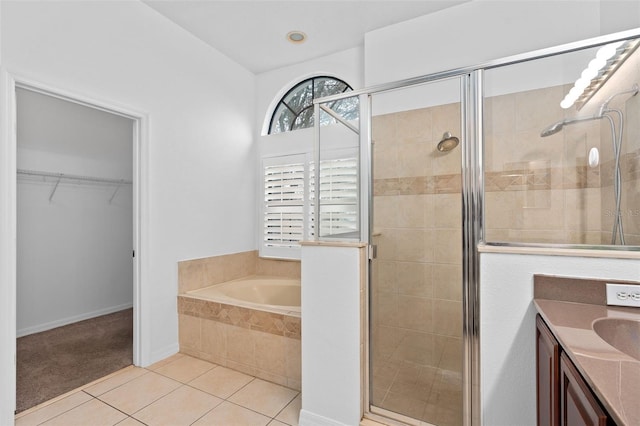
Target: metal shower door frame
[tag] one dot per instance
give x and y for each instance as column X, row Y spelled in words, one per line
column 472, row 190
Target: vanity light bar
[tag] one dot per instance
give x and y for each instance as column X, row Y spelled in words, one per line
column 608, row 59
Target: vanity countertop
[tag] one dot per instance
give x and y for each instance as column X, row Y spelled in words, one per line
column 612, row 375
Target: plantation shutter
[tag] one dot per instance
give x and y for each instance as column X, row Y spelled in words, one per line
column 289, row 198
column 284, row 207
column 338, row 197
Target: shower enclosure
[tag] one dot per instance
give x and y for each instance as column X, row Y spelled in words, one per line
column 528, row 152
column 408, row 147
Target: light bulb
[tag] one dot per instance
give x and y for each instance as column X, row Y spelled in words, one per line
column 588, row 73
column 566, row 103
column 597, row 64
column 575, row 92
column 607, row 51
column 582, row 83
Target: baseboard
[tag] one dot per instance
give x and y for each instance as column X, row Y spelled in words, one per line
column 70, row 320
column 308, row 418
column 163, row 353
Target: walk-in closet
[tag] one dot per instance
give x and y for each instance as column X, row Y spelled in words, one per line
column 74, row 244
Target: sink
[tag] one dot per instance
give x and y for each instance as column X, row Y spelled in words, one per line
column 622, row 334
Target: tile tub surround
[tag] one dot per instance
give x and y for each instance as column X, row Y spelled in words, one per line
column 262, row 344
column 612, row 375
column 198, row 273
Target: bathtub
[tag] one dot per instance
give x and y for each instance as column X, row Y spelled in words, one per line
column 265, row 293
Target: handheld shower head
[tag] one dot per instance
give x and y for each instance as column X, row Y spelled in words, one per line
column 602, row 110
column 552, row 129
column 557, row 126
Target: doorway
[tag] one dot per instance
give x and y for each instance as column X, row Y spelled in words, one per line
column 416, row 284
column 75, row 234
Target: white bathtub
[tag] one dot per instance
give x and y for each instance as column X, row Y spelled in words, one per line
column 271, row 294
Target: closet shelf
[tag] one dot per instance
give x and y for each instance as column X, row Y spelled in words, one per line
column 65, row 176
column 73, row 177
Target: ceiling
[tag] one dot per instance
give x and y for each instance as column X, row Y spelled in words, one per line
column 253, row 33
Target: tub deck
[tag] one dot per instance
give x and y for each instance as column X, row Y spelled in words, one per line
column 264, row 293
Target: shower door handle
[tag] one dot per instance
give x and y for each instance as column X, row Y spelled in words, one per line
column 372, row 251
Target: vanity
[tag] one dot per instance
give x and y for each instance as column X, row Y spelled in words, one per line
column 587, row 354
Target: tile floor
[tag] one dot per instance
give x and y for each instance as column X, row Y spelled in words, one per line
column 180, row 390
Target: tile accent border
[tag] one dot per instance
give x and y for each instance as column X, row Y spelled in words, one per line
column 417, row 185
column 518, row 177
column 252, row 319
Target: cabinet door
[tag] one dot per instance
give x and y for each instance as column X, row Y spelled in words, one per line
column 578, row 406
column 547, row 375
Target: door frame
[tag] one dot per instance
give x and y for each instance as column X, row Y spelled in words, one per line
column 8, row 229
column 470, row 84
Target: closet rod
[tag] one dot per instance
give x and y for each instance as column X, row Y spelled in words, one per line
column 72, row 177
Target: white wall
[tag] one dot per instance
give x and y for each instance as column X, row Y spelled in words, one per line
column 332, row 347
column 507, row 326
column 7, row 253
column 473, row 33
column 619, row 15
column 74, row 252
column 201, row 179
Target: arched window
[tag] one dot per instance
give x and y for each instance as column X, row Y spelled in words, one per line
column 287, row 170
column 295, row 109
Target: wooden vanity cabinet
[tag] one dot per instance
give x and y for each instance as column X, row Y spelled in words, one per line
column 563, row 397
column 547, row 375
column 578, row 405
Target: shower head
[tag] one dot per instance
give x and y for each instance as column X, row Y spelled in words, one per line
column 552, row 129
column 558, row 125
column 602, row 110
column 448, row 142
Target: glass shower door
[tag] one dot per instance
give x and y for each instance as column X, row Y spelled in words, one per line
column 416, row 348
column 337, row 205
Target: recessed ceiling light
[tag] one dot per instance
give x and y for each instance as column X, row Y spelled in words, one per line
column 296, row 36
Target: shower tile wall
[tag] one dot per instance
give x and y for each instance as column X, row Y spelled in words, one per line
column 541, row 189
column 417, row 314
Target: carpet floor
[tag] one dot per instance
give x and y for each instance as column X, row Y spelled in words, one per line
column 57, row 361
